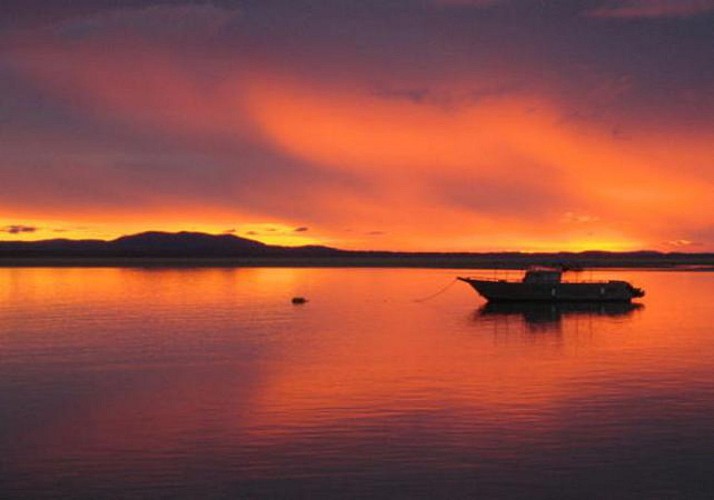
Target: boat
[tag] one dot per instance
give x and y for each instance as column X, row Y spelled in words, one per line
column 547, row 285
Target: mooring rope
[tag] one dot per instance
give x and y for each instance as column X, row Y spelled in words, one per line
column 442, row 290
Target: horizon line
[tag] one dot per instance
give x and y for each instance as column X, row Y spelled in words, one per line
column 412, row 252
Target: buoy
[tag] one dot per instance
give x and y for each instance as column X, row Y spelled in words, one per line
column 299, row 300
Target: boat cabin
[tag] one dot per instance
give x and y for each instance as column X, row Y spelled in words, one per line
column 550, row 276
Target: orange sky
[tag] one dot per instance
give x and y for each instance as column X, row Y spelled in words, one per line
column 191, row 118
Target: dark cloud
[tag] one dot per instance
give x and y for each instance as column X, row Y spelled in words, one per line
column 653, row 8
column 447, row 98
column 18, row 229
column 175, row 24
column 38, row 13
column 468, row 3
column 417, row 96
column 300, row 229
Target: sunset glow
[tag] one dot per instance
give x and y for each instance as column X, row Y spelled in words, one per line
column 435, row 126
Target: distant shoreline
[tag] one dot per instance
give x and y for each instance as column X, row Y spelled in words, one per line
column 662, row 262
column 189, row 249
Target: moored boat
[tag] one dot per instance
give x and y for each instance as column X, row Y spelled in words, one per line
column 546, row 284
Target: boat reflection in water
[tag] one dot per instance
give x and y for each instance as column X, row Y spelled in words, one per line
column 549, row 316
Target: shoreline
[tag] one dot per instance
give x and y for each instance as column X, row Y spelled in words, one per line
column 428, row 262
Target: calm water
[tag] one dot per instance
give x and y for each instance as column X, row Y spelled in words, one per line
column 209, row 383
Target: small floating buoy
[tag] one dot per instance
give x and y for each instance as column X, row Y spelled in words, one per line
column 299, row 300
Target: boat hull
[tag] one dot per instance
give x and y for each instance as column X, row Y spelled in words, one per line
column 507, row 291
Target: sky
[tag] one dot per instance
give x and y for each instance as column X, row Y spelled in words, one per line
column 421, row 125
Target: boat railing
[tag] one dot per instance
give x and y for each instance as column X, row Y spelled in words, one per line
column 498, row 276
column 517, row 277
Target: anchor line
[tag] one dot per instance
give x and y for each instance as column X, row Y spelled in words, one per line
column 442, row 290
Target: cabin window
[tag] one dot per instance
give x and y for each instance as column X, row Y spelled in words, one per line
column 542, row 277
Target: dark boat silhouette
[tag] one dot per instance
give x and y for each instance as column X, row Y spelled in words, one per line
column 546, row 285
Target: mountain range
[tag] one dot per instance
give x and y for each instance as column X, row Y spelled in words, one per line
column 158, row 244
column 193, row 245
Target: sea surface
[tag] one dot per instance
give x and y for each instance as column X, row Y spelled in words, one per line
column 210, row 383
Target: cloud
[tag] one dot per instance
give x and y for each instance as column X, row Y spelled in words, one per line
column 448, row 98
column 468, row 3
column 531, row 189
column 279, row 234
column 18, row 229
column 653, row 8
column 578, row 218
column 506, row 162
column 414, row 95
column 415, row 125
column 41, row 13
column 158, row 21
column 682, row 243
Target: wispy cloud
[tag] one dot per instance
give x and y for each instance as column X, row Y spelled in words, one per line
column 682, row 243
column 653, row 8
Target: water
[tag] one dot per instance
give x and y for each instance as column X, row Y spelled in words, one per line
column 144, row 383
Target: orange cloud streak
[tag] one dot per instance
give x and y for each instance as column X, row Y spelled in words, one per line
column 502, row 172
column 407, row 145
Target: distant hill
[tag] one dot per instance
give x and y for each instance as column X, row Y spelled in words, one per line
column 203, row 249
column 187, row 243
column 157, row 244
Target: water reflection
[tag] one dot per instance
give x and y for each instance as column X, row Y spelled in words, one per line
column 549, row 316
column 185, row 383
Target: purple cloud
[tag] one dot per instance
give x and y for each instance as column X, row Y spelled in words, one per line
column 653, row 8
